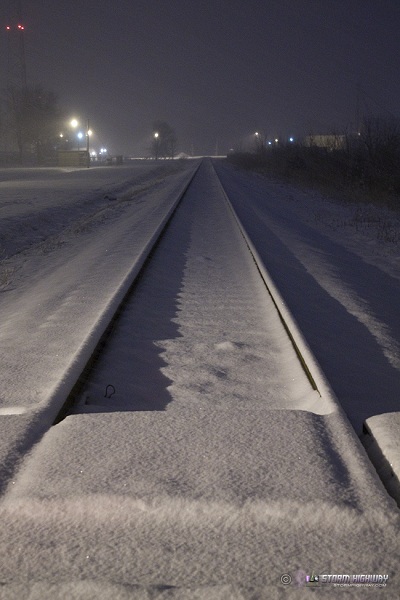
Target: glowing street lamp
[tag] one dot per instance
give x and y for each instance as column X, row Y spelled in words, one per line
column 88, row 134
column 79, row 135
column 156, row 136
column 260, row 141
column 71, row 124
column 74, row 123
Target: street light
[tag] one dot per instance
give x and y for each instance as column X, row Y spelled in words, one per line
column 259, row 141
column 156, row 136
column 74, row 123
column 79, row 135
column 88, row 134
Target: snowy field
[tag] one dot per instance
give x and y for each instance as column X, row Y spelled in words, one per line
column 338, row 267
column 215, row 467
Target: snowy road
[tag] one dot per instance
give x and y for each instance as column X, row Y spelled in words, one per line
column 215, row 467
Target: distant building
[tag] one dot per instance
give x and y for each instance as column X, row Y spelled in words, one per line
column 73, row 158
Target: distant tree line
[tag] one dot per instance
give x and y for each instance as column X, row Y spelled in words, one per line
column 367, row 160
column 31, row 121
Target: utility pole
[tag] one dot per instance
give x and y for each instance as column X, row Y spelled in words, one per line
column 87, row 144
column 16, row 70
column 358, row 109
column 16, row 63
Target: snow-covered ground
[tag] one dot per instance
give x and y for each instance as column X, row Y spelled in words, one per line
column 214, row 468
column 68, row 266
column 37, row 203
column 337, row 265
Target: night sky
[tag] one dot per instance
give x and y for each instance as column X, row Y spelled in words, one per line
column 215, row 70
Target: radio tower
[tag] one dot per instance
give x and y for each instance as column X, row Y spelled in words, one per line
column 16, row 83
column 16, row 64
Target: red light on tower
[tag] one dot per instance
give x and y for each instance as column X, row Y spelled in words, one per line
column 16, row 71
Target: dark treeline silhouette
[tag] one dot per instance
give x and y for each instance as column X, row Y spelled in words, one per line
column 30, row 124
column 367, row 161
column 164, row 140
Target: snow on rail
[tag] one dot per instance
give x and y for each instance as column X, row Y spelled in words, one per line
column 215, row 463
column 62, row 303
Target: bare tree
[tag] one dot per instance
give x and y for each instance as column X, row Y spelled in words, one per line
column 35, row 118
column 164, row 141
column 381, row 138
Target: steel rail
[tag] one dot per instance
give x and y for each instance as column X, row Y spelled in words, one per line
column 306, row 358
column 139, row 269
column 44, row 417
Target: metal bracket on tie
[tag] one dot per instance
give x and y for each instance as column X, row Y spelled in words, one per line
column 110, row 390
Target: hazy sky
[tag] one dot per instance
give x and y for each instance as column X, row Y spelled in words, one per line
column 216, row 70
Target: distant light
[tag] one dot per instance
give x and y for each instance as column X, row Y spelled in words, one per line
column 291, row 139
column 269, row 143
column 19, row 26
column 89, row 132
column 256, row 133
column 276, row 140
column 156, row 134
column 61, row 135
column 103, row 150
column 80, row 135
column 74, row 123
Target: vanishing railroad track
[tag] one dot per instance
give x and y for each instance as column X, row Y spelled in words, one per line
column 148, row 257
column 195, row 416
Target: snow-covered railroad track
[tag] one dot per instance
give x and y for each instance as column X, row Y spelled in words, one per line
column 61, row 306
column 323, row 400
column 199, row 453
column 135, row 275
